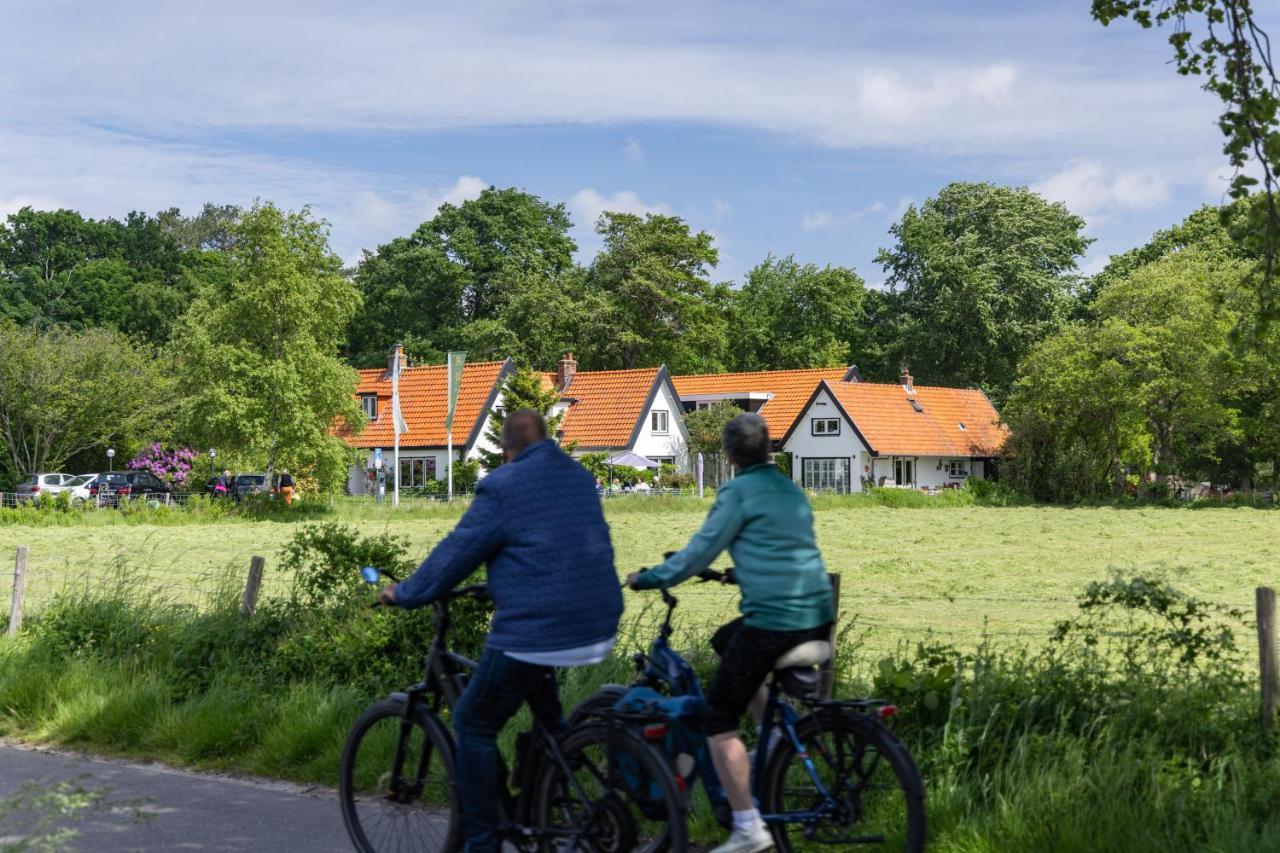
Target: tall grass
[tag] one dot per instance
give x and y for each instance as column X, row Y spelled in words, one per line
column 1112, row 737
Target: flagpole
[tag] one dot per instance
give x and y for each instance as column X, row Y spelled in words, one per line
column 395, row 496
column 450, row 463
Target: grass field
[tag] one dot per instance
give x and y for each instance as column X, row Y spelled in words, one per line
column 956, row 572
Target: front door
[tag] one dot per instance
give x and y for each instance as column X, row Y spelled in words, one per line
column 904, row 471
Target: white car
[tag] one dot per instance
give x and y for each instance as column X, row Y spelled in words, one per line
column 36, row 486
column 80, row 487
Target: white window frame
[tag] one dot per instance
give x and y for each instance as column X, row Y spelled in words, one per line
column 823, row 473
column 417, row 471
column 666, row 422
column 957, row 469
column 899, row 463
column 365, row 406
column 825, row 424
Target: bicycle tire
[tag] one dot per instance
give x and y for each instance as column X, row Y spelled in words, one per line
column 628, row 781
column 844, row 744
column 429, row 822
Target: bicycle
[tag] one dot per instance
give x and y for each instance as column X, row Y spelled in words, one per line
column 577, row 786
column 836, row 775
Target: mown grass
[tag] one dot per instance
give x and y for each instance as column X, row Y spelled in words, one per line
column 958, row 573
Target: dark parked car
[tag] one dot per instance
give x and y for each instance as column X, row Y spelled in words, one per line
column 248, row 484
column 108, row 489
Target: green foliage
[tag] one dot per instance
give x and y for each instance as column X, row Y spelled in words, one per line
column 790, row 315
column 661, row 307
column 978, row 275
column 450, row 284
column 40, row 817
column 325, row 561
column 706, row 426
column 259, row 352
column 523, row 389
column 1220, row 41
column 64, row 392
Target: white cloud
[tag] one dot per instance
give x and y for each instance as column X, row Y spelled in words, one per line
column 1090, row 189
column 819, row 220
column 634, row 152
column 720, row 209
column 587, row 204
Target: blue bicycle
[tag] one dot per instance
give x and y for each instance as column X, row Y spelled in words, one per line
column 833, row 775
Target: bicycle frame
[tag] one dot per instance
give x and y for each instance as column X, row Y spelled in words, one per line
column 664, row 667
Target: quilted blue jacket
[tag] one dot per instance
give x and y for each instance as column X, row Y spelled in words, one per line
column 537, row 522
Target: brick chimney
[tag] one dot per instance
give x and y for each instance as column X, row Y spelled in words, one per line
column 396, row 355
column 565, row 370
column 905, row 379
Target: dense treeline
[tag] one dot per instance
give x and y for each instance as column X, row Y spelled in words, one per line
column 1139, row 369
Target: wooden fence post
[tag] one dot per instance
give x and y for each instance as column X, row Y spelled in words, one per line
column 1267, row 664
column 19, row 591
column 829, row 668
column 250, row 601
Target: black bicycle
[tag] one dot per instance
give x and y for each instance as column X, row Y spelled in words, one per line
column 597, row 785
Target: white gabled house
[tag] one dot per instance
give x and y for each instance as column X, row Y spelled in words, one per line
column 851, row 435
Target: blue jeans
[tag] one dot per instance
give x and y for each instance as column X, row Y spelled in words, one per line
column 497, row 689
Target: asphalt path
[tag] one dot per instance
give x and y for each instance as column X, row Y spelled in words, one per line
column 155, row 807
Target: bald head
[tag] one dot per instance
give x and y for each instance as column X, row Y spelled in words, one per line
column 520, row 429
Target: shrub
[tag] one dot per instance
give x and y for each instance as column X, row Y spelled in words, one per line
column 325, row 561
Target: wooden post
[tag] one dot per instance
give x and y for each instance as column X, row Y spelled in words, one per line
column 19, row 591
column 829, row 668
column 249, row 603
column 1267, row 664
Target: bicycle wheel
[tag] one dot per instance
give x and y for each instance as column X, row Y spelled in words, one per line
column 620, row 793
column 876, row 793
column 422, row 814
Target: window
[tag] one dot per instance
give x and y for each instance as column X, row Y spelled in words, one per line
column 957, row 469
column 825, row 426
column 417, row 472
column 659, row 421
column 904, row 471
column 962, row 426
column 369, row 402
column 664, row 460
column 915, row 404
column 827, row 475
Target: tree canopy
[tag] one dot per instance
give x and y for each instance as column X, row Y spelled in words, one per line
column 260, row 351
column 978, row 275
column 523, row 389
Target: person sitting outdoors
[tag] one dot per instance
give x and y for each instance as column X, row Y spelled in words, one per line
column 539, row 525
column 765, row 522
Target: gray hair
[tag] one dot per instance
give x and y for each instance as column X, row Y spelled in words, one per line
column 746, row 440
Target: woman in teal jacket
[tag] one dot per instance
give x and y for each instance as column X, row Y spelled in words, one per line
column 765, row 522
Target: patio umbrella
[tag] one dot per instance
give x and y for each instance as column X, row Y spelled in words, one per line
column 632, row 460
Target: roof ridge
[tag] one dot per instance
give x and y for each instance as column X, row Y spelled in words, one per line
column 757, row 372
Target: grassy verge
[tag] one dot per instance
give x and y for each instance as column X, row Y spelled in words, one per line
column 1135, row 729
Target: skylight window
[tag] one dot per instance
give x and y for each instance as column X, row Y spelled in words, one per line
column 915, row 404
column 962, row 426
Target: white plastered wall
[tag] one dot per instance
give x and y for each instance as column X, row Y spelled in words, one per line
column 675, row 442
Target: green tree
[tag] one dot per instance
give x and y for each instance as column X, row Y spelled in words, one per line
column 661, row 306
column 523, row 389
column 1220, row 41
column 65, row 392
column 978, row 275
column 259, row 351
column 459, row 268
column 790, row 315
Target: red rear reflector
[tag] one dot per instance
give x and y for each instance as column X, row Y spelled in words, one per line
column 884, row 712
column 35, row 489
column 680, row 783
column 655, row 731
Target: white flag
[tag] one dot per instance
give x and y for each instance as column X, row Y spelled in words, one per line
column 397, row 418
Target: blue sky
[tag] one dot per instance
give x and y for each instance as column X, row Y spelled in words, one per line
column 782, row 128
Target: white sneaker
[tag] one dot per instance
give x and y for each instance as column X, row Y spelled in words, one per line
column 747, row 840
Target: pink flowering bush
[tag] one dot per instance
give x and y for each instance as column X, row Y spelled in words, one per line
column 171, row 466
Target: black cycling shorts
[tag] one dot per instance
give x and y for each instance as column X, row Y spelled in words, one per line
column 747, row 656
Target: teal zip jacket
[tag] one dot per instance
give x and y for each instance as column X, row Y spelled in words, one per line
column 766, row 523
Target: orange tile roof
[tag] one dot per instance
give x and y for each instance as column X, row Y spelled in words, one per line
column 791, row 390
column 606, row 405
column 424, row 402
column 890, row 426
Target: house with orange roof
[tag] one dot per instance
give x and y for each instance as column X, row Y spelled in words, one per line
column 776, row 395
column 620, row 411
column 851, row 434
column 423, row 403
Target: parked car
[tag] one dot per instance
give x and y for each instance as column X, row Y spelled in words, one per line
column 248, row 484
column 33, row 487
column 103, row 488
column 79, row 487
column 108, row 489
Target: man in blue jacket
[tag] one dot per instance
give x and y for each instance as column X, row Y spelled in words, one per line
column 538, row 523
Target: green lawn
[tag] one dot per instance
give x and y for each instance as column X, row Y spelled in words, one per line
column 953, row 571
